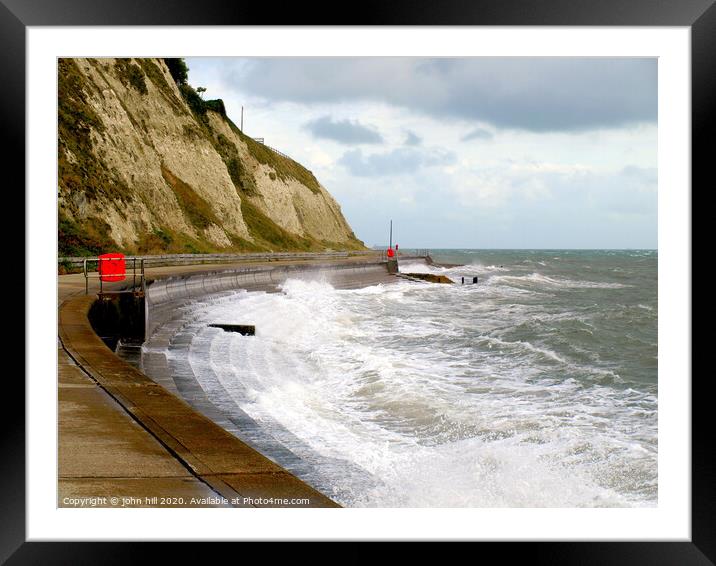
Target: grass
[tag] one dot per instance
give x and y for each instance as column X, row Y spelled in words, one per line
column 196, row 209
column 82, row 172
column 268, row 233
column 157, row 240
column 199, row 106
column 216, row 105
column 152, row 70
column 130, row 75
column 87, row 238
column 240, row 245
column 243, row 180
column 283, row 166
column 191, row 131
column 91, row 238
column 271, row 237
column 192, row 98
column 166, row 241
column 177, row 69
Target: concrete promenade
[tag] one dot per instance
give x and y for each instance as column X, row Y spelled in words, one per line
column 123, row 436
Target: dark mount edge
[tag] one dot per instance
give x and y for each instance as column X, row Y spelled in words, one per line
column 15, row 15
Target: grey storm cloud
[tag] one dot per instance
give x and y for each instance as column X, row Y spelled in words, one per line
column 646, row 176
column 412, row 139
column 477, row 134
column 399, row 161
column 526, row 93
column 343, row 131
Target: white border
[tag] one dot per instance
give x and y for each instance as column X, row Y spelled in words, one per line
column 669, row 521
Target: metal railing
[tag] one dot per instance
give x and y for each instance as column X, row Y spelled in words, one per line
column 262, row 141
column 408, row 253
column 420, row 253
column 99, row 273
column 154, row 260
column 281, row 153
column 183, row 259
column 136, row 265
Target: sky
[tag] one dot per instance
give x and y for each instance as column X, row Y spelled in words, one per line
column 473, row 152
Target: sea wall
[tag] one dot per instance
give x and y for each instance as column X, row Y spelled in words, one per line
column 163, row 294
column 214, row 456
column 197, row 285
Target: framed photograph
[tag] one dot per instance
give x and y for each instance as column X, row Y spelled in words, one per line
column 434, row 268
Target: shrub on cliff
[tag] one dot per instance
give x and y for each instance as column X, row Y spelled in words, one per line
column 130, row 75
column 178, row 70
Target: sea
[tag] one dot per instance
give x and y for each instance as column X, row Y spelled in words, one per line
column 537, row 386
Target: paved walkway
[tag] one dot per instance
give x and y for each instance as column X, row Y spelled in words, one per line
column 105, row 453
column 123, row 436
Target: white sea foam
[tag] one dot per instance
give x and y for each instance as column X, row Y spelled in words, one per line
column 543, row 280
column 403, row 382
column 409, row 394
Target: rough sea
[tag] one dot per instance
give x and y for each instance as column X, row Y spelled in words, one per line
column 535, row 387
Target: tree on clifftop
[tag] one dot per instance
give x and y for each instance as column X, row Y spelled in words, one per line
column 178, row 70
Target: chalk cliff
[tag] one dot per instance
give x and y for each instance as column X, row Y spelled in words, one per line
column 147, row 166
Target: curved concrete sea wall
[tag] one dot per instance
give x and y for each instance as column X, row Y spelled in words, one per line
column 214, row 452
column 161, row 294
column 192, row 286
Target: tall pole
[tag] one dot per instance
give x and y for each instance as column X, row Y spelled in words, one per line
column 391, row 234
column 242, row 118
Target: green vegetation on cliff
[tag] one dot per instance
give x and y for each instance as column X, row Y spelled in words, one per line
column 178, row 70
column 131, row 75
column 88, row 239
column 196, row 209
column 80, row 171
column 285, row 167
column 243, row 180
column 270, row 235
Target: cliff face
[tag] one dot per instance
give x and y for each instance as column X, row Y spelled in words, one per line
column 147, row 166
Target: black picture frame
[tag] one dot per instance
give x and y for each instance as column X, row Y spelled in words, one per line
column 699, row 15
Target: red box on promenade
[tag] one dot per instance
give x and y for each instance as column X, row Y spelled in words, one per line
column 112, row 267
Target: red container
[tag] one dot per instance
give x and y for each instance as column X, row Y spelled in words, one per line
column 112, row 267
column 391, row 253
